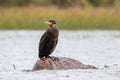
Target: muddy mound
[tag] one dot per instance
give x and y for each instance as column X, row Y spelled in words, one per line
column 60, row 63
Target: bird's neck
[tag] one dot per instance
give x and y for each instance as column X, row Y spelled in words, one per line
column 53, row 25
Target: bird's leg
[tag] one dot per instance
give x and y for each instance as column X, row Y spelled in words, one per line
column 43, row 58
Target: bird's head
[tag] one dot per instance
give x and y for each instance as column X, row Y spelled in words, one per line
column 51, row 22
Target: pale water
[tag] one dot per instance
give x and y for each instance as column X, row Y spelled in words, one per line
column 98, row 48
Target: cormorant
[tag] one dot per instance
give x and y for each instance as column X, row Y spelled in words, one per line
column 49, row 40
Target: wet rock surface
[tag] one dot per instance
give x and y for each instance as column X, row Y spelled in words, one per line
column 60, row 63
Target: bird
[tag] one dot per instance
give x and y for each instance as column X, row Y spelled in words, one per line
column 48, row 40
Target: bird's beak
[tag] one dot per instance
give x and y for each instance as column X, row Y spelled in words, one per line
column 49, row 23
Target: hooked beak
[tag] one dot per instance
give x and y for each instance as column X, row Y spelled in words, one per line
column 49, row 23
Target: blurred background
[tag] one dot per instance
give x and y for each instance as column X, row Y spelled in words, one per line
column 69, row 14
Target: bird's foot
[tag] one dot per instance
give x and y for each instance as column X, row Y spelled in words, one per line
column 43, row 58
column 48, row 57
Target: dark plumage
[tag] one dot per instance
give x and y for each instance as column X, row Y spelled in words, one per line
column 49, row 40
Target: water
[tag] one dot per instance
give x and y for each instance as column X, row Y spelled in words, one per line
column 19, row 51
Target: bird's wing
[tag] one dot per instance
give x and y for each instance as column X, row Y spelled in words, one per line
column 44, row 39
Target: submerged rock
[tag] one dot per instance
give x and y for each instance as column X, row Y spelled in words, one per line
column 60, row 63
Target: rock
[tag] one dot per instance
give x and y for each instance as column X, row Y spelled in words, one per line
column 60, row 63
